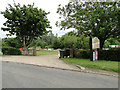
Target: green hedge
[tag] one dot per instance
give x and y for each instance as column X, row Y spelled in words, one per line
column 10, row 51
column 113, row 55
column 81, row 54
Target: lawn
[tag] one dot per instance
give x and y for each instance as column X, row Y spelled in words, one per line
column 41, row 52
column 102, row 64
column 47, row 52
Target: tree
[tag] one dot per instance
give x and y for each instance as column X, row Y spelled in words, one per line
column 82, row 42
column 45, row 40
column 0, row 44
column 48, row 38
column 96, row 19
column 68, row 41
column 56, row 43
column 111, row 41
column 26, row 22
column 11, row 42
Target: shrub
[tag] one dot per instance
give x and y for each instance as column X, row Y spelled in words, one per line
column 81, row 54
column 10, row 51
column 113, row 54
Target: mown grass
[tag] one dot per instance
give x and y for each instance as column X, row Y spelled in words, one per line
column 47, row 52
column 40, row 52
column 101, row 64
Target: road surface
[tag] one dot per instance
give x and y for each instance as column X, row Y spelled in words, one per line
column 29, row 76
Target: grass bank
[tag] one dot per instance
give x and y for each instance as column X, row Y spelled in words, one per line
column 40, row 52
column 102, row 64
column 47, row 52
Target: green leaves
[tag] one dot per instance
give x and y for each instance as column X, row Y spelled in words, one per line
column 25, row 21
column 97, row 19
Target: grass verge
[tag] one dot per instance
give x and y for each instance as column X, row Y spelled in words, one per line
column 41, row 52
column 47, row 52
column 102, row 64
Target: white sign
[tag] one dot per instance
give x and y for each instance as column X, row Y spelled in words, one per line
column 95, row 43
column 96, row 55
column 30, row 50
column 114, row 46
column 50, row 49
column 93, row 56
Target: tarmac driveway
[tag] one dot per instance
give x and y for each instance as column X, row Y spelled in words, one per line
column 44, row 60
column 54, row 62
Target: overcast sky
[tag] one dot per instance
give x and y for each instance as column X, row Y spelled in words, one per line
column 47, row 5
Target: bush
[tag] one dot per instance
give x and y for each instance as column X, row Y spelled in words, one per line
column 113, row 54
column 10, row 51
column 81, row 54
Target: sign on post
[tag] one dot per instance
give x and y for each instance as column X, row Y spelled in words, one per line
column 93, row 56
column 114, row 46
column 95, row 46
column 95, row 43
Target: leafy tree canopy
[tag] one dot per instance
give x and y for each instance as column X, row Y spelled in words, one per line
column 96, row 19
column 11, row 42
column 45, row 40
column 26, row 22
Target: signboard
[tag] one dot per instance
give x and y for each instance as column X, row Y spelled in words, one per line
column 114, row 46
column 95, row 55
column 50, row 49
column 95, row 43
column 30, row 50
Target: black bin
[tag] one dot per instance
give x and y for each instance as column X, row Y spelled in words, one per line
column 67, row 52
column 64, row 53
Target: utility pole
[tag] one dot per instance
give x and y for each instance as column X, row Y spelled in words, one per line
column 90, row 47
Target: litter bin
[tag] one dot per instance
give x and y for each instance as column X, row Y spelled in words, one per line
column 67, row 53
column 64, row 53
column 34, row 52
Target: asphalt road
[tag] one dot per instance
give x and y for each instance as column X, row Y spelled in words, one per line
column 28, row 76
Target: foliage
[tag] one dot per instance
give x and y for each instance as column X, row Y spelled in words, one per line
column 113, row 55
column 70, row 40
column 46, row 47
column 81, row 54
column 46, row 40
column 97, row 19
column 111, row 41
column 0, row 43
column 11, row 42
column 26, row 22
column 109, row 55
column 82, row 42
column 10, row 51
column 103, row 65
column 56, row 43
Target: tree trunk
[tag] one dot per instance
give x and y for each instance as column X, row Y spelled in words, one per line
column 25, row 51
column 101, row 43
column 25, row 48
